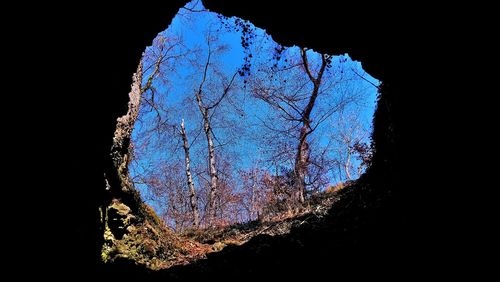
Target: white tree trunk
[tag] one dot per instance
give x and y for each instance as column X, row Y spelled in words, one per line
column 348, row 164
column 192, row 192
column 212, row 168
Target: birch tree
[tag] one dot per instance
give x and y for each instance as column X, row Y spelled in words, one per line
column 189, row 177
column 209, row 95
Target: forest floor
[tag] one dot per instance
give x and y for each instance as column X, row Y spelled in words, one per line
column 197, row 244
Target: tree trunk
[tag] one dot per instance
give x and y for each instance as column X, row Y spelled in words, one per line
column 212, row 168
column 302, row 156
column 192, row 193
column 205, row 112
column 348, row 164
column 175, row 216
column 253, row 207
column 301, row 164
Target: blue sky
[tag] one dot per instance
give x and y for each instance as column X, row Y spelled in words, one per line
column 244, row 118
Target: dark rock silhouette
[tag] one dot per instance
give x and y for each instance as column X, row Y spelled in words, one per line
column 376, row 231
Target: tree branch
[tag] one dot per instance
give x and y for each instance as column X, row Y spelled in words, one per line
column 365, row 79
column 224, row 94
column 306, row 64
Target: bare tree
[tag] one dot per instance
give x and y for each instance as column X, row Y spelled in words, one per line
column 349, row 133
column 159, row 60
column 206, row 110
column 254, row 192
column 302, row 157
column 190, row 182
column 195, row 178
column 167, row 185
column 295, row 105
column 158, row 71
column 228, row 201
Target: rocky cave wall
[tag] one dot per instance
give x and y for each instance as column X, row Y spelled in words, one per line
column 110, row 43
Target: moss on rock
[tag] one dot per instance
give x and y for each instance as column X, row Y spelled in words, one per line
column 144, row 239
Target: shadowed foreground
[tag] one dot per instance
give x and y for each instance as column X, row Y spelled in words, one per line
column 371, row 231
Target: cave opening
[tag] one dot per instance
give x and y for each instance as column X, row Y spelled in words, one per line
column 232, row 135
